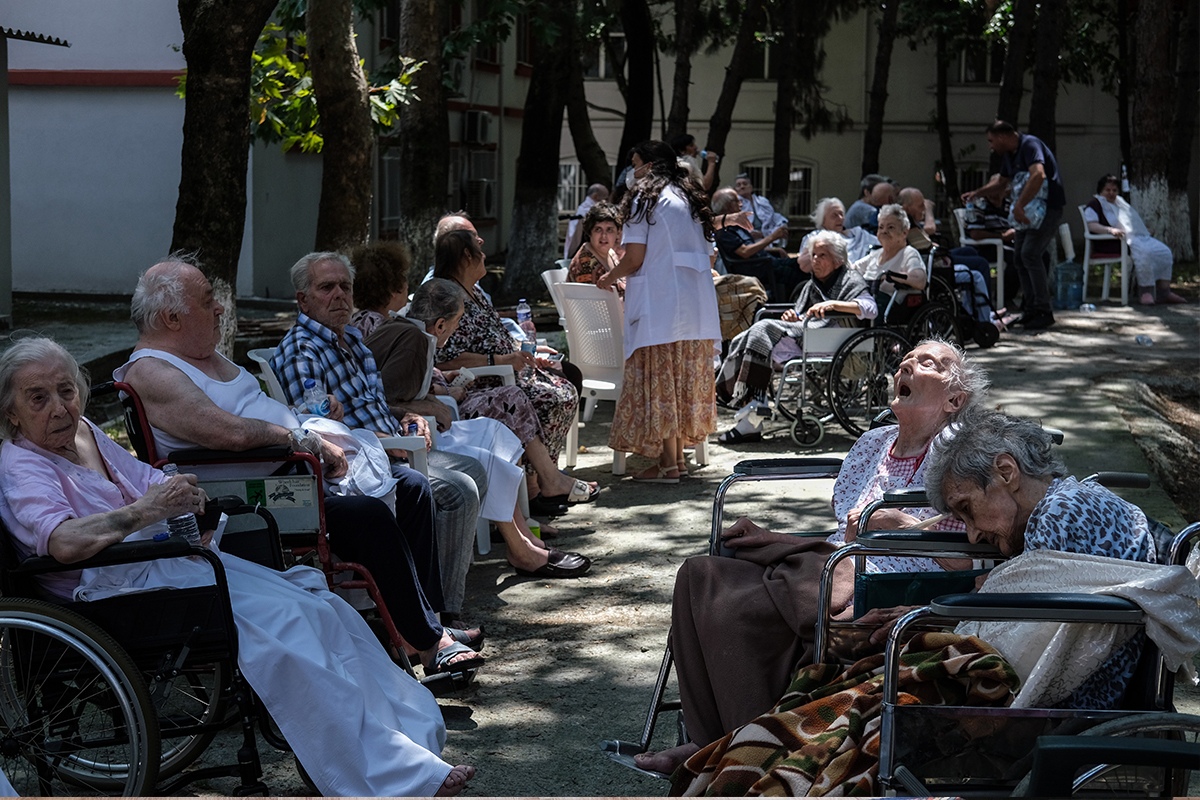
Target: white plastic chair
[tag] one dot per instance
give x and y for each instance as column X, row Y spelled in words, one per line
column 960, row 214
column 551, row 277
column 1089, row 261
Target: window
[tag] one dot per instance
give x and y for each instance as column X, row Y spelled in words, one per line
column 971, row 176
column 572, row 185
column 604, row 63
column 389, row 192
column 525, row 43
column 487, row 53
column 981, row 61
column 800, row 182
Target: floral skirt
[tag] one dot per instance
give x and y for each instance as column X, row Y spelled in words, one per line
column 667, row 393
column 505, row 404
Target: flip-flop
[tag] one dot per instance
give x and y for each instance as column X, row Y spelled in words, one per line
column 580, row 493
column 441, row 660
column 734, row 436
column 461, row 636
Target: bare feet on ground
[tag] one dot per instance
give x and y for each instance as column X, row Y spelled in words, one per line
column 427, row 656
column 666, row 761
column 455, row 781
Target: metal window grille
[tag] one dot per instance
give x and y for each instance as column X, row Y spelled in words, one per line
column 800, row 179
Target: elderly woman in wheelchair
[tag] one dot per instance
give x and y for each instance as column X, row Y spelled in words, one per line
column 998, row 475
column 745, row 376
column 740, row 626
column 357, row 722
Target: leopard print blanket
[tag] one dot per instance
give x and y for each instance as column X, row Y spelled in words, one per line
column 823, row 737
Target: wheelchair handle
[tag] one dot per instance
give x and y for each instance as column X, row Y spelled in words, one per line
column 1120, row 480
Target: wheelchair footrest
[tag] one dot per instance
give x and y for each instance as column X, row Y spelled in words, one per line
column 623, row 753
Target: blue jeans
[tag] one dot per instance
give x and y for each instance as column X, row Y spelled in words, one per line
column 1031, row 246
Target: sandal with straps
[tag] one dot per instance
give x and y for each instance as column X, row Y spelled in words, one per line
column 657, row 474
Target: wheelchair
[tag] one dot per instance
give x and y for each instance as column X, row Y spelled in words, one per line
column 296, row 498
column 1170, row 740
column 118, row 696
column 957, row 311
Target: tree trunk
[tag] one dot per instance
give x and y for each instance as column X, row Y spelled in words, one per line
column 587, row 149
column 785, row 109
column 1152, row 110
column 722, row 116
column 949, row 168
column 1125, row 67
column 873, row 137
column 686, row 12
column 639, row 56
column 1012, row 84
column 1043, row 101
column 423, row 135
column 340, row 88
column 534, row 240
column 210, row 214
column 1183, row 137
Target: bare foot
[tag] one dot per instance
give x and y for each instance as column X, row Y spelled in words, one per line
column 548, row 530
column 666, row 761
column 456, row 781
column 427, row 656
column 560, row 484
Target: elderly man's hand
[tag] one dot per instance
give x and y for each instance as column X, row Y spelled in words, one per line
column 333, row 459
column 336, row 411
column 422, row 427
column 1019, row 215
column 883, row 620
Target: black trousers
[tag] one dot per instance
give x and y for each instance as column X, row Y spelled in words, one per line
column 402, row 558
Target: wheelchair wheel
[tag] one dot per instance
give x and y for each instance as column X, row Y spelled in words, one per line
column 860, row 377
column 194, row 697
column 1113, row 780
column 935, row 321
column 75, row 715
column 807, row 431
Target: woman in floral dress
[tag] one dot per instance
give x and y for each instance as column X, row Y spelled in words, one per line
column 482, row 339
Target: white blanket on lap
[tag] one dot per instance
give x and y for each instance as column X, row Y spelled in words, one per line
column 360, row 725
column 1052, row 658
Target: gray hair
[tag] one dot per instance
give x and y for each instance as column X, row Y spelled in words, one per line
column 35, row 350
column 823, row 205
column 832, row 238
column 726, row 201
column 968, row 448
column 965, row 375
column 436, row 299
column 160, row 293
column 301, row 271
column 895, row 210
column 597, row 188
column 449, row 222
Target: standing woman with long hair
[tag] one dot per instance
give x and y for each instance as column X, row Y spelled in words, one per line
column 671, row 315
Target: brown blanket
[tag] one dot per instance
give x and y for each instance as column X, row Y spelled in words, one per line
column 741, row 626
column 823, row 736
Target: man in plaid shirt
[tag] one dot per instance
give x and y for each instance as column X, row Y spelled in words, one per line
column 322, row 346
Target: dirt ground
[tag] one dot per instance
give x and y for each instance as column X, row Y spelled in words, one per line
column 572, row 662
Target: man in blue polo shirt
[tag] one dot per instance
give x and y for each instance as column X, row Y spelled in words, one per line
column 1030, row 170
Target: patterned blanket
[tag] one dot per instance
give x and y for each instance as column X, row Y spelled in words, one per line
column 823, row 737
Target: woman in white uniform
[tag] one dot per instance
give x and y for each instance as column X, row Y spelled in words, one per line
column 1109, row 213
column 671, row 318
column 359, row 724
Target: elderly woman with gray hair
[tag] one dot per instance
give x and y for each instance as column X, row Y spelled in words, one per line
column 830, row 215
column 357, row 722
column 745, row 377
column 895, row 272
column 404, row 349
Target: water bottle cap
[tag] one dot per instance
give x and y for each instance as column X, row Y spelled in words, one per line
column 162, row 537
column 309, row 383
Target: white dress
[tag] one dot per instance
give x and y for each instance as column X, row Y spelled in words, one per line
column 360, row 725
column 1152, row 260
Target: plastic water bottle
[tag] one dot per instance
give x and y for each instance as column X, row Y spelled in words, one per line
column 185, row 524
column 1087, row 308
column 1144, row 340
column 525, row 320
column 315, row 398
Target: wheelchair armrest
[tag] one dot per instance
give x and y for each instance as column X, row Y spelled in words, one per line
column 1121, row 480
column 1056, row 435
column 935, row 541
column 1052, row 606
column 1056, row 759
column 910, row 497
column 201, row 455
column 119, row 553
column 789, row 466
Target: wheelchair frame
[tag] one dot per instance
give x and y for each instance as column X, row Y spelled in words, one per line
column 60, row 661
